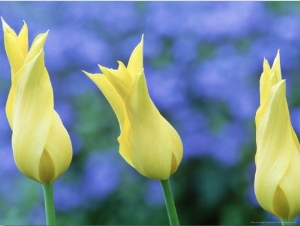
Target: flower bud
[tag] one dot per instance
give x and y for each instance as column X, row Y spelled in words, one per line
column 147, row 141
column 277, row 177
column 41, row 145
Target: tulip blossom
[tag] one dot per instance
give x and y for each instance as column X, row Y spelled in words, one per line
column 147, row 141
column 41, row 145
column 277, row 177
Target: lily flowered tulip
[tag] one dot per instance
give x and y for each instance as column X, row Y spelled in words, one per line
column 277, row 177
column 147, row 141
column 41, row 145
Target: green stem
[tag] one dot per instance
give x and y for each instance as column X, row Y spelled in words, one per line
column 171, row 209
column 49, row 204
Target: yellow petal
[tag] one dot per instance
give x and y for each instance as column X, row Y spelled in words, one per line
column 120, row 79
column 135, row 64
column 280, row 205
column 111, row 94
column 118, row 106
column 37, row 45
column 41, row 145
column 290, row 185
column 156, row 146
column 57, row 151
column 265, row 82
column 147, row 141
column 277, row 179
column 23, row 39
column 16, row 47
column 33, row 98
column 36, row 48
column 276, row 67
column 46, row 168
column 269, row 77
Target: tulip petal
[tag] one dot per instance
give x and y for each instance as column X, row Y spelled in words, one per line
column 33, row 98
column 277, row 154
column 41, row 145
column 37, row 47
column 290, row 185
column 269, row 77
column 120, row 79
column 156, row 146
column 46, row 168
column 117, row 104
column 147, row 141
column 111, row 94
column 135, row 63
column 58, row 151
column 16, row 46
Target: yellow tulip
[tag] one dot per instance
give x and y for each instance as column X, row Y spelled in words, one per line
column 277, row 177
column 41, row 145
column 147, row 141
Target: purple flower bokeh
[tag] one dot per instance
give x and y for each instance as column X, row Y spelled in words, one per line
column 102, row 174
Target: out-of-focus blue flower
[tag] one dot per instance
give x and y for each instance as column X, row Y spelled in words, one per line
column 36, row 215
column 267, row 45
column 194, row 128
column 184, row 50
column 228, row 143
column 9, row 173
column 170, row 94
column 69, row 196
column 154, row 46
column 124, row 12
column 206, row 20
column 153, row 193
column 7, row 166
column 287, row 27
column 84, row 49
column 226, row 78
column 101, row 174
column 166, row 21
column 226, row 20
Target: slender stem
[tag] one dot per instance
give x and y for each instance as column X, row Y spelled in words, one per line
column 49, row 204
column 171, row 209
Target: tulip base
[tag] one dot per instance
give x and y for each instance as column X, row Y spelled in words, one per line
column 169, row 200
column 49, row 204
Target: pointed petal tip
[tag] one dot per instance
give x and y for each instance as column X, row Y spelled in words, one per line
column 24, row 23
column 142, row 40
column 4, row 24
column 266, row 64
column 102, row 68
column 277, row 55
column 87, row 73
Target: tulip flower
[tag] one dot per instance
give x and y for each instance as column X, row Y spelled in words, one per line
column 147, row 141
column 277, row 177
column 41, row 145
